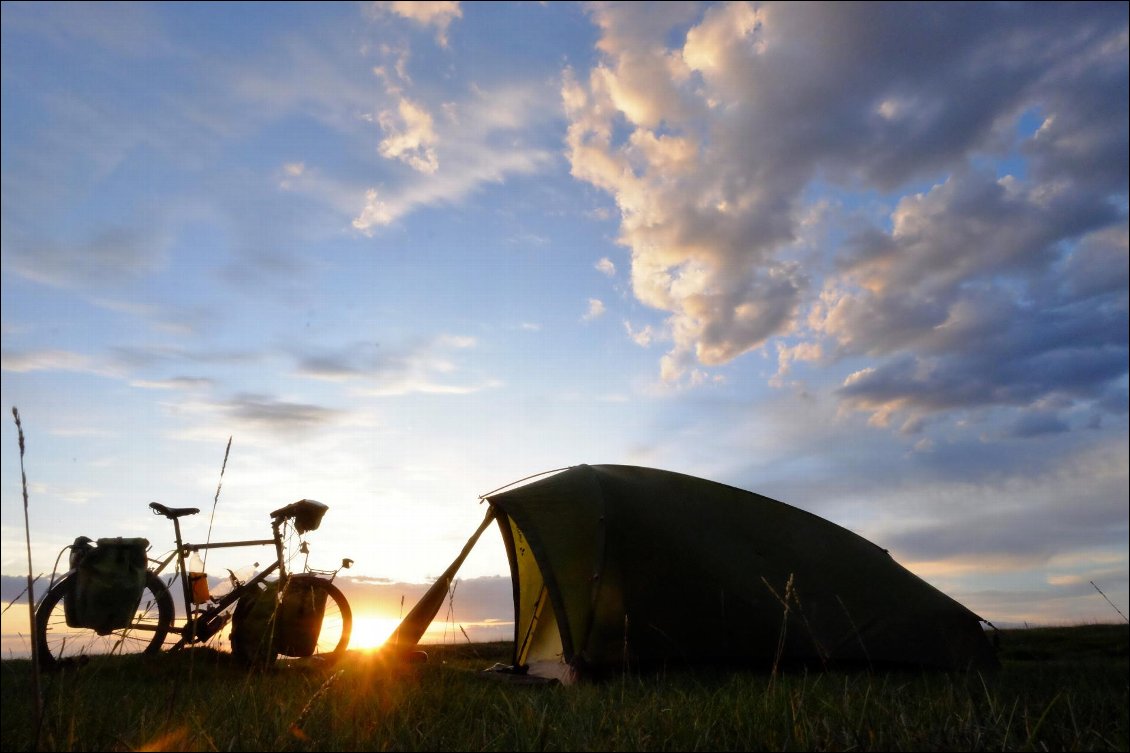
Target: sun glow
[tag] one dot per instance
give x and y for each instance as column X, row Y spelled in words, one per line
column 371, row 630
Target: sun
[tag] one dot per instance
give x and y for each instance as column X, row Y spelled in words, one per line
column 371, row 630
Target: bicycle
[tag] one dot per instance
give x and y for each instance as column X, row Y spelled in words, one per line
column 155, row 621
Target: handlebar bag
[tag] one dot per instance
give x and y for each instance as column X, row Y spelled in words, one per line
column 110, row 579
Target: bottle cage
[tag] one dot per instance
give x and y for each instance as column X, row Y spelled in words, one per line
column 307, row 514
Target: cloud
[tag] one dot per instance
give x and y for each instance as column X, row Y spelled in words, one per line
column 481, row 138
column 438, row 15
column 790, row 354
column 606, row 267
column 57, row 360
column 109, row 256
column 595, row 310
column 291, row 173
column 1034, row 424
column 1029, row 528
column 980, row 288
column 376, row 212
column 641, row 337
column 969, row 301
column 410, row 136
column 174, row 383
column 428, row 366
column 270, row 414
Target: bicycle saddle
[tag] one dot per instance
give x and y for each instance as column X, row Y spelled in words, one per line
column 172, row 512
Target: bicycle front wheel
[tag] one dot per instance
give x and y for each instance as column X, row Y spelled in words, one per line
column 145, row 634
column 336, row 617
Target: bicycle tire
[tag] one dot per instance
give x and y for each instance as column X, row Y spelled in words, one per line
column 337, row 619
column 58, row 642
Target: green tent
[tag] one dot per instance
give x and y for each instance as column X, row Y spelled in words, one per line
column 615, row 565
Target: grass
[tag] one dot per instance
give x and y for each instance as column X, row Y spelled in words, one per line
column 1059, row 689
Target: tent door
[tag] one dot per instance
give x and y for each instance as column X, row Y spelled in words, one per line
column 539, row 607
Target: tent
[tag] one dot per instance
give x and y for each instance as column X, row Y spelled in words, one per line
column 617, row 566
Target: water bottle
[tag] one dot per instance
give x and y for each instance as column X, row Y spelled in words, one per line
column 198, row 579
column 235, row 579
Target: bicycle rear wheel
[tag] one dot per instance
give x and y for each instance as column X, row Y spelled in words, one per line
column 59, row 642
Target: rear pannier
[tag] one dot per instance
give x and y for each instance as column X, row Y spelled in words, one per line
column 110, row 579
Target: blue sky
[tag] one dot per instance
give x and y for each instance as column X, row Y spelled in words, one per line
column 869, row 260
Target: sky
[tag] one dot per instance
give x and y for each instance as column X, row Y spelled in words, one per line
column 869, row 260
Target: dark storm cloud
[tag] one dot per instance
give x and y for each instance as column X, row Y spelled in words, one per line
column 971, row 302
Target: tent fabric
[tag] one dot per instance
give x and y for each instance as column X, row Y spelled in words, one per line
column 618, row 565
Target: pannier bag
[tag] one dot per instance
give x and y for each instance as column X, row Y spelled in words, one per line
column 299, row 620
column 263, row 625
column 253, row 625
column 109, row 581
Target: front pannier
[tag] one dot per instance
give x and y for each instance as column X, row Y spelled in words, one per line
column 253, row 625
column 300, row 617
column 264, row 625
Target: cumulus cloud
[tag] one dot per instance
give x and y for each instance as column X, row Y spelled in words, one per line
column 606, row 267
column 410, row 136
column 982, row 287
column 375, row 212
column 642, row 337
column 437, row 15
column 969, row 301
column 595, row 310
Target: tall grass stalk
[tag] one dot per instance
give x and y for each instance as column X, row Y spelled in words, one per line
column 296, row 727
column 784, row 623
column 35, row 685
column 450, row 612
column 211, row 519
column 216, row 499
column 1108, row 601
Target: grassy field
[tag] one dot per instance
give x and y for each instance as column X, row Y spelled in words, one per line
column 1059, row 689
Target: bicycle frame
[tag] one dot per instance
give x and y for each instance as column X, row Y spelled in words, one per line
column 204, row 621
